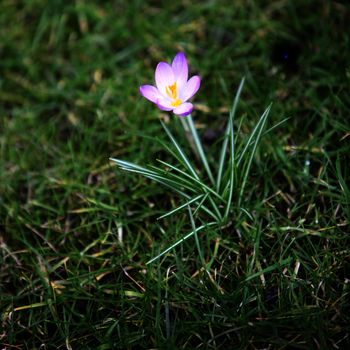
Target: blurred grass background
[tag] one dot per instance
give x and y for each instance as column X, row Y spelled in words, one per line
column 75, row 233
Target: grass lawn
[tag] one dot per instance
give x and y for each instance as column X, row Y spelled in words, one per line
column 76, row 232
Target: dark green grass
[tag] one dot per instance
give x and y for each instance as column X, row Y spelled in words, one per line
column 69, row 77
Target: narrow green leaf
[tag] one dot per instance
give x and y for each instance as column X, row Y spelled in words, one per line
column 172, row 181
column 179, row 242
column 199, row 146
column 215, row 207
column 181, row 207
column 200, row 252
column 201, row 203
column 226, row 137
column 232, row 167
column 275, row 266
column 252, row 138
column 180, row 151
column 199, row 182
column 156, row 174
column 259, row 130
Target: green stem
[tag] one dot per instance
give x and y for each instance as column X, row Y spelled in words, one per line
column 199, row 147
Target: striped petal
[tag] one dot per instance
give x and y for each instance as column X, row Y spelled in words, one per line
column 184, row 109
column 150, row 92
column 164, row 76
column 190, row 88
column 180, row 69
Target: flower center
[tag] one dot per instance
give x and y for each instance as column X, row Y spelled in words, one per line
column 171, row 91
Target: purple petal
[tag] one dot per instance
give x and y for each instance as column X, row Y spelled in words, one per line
column 184, row 109
column 164, row 104
column 180, row 69
column 150, row 92
column 190, row 88
column 164, row 76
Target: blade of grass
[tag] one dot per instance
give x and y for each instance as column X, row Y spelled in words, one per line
column 200, row 252
column 232, row 165
column 258, row 129
column 200, row 183
column 148, row 174
column 174, row 185
column 226, row 137
column 215, row 207
column 275, row 126
column 345, row 191
column 158, row 178
column 200, row 204
column 179, row 242
column 181, row 207
column 156, row 174
column 183, row 194
column 263, row 134
column 270, row 268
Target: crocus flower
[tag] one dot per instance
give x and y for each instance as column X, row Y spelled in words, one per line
column 172, row 90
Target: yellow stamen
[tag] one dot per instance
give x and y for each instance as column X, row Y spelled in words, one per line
column 171, row 91
column 176, row 103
